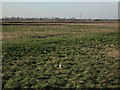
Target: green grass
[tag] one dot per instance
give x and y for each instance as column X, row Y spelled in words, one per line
column 89, row 60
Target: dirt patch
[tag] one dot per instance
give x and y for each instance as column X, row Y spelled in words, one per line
column 33, row 35
column 8, row 33
column 53, row 27
column 96, row 24
column 9, row 37
column 113, row 53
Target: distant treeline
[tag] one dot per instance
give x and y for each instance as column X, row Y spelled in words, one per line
column 53, row 18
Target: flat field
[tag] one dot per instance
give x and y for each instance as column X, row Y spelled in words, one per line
column 33, row 52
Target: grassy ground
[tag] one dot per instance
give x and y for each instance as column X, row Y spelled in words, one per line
column 88, row 55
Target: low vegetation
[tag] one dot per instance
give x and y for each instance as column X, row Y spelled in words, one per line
column 88, row 55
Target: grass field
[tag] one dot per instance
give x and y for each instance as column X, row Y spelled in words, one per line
column 88, row 54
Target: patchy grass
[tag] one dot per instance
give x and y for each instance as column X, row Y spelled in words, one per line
column 88, row 59
column 25, row 31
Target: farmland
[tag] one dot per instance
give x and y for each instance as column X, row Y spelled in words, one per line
column 33, row 51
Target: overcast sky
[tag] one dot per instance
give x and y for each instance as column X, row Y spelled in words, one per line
column 107, row 10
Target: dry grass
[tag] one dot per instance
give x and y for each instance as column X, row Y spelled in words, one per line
column 47, row 31
column 97, row 24
column 113, row 53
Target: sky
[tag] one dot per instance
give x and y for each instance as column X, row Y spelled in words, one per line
column 60, row 0
column 104, row 10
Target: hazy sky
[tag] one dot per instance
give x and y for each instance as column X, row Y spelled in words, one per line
column 60, row 0
column 61, row 9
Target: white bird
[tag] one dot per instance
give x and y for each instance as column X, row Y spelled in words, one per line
column 60, row 66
